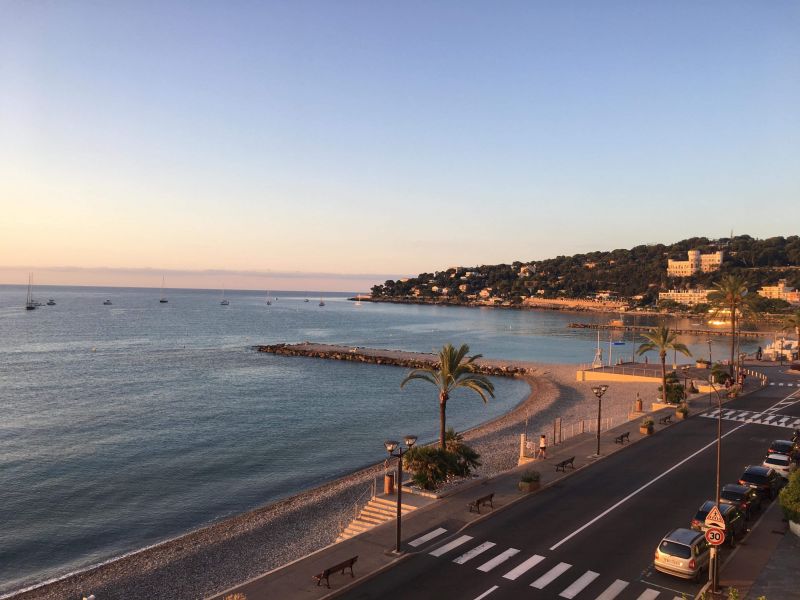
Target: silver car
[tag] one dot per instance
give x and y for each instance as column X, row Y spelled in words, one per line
column 683, row 553
column 782, row 464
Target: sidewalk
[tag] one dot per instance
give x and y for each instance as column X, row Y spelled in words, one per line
column 374, row 547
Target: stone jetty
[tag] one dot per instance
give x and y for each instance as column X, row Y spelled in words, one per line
column 397, row 358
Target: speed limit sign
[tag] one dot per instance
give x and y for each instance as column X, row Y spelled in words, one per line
column 715, row 536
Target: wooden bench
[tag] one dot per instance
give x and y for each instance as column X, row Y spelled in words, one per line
column 665, row 420
column 342, row 566
column 482, row 501
column 569, row 462
column 620, row 439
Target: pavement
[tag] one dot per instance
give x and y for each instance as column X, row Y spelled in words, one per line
column 374, row 548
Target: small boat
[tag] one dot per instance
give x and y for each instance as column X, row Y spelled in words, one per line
column 51, row 302
column 163, row 299
column 321, row 302
column 107, row 303
column 306, row 300
column 358, row 300
column 224, row 301
column 269, row 302
column 29, row 302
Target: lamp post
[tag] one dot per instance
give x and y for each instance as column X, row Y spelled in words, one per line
column 392, row 446
column 709, row 353
column 599, row 390
column 713, row 572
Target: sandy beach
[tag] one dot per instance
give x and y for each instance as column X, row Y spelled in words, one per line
column 236, row 549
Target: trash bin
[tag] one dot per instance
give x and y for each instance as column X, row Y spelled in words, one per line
column 388, row 483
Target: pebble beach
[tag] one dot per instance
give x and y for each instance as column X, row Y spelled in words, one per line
column 236, row 549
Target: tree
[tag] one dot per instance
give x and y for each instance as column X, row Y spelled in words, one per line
column 662, row 339
column 793, row 322
column 730, row 295
column 454, row 370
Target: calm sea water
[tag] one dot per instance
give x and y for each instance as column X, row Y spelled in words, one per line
column 125, row 425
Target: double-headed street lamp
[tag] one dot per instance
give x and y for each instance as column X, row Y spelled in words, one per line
column 599, row 390
column 713, row 571
column 395, row 449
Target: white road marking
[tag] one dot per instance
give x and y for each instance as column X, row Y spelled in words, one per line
column 487, row 592
column 499, row 559
column 579, row 584
column 613, row 590
column 648, row 595
column 527, row 565
column 454, row 544
column 427, row 537
column 550, row 576
column 473, row 553
column 648, row 484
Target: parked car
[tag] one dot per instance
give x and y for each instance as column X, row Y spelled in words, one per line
column 786, row 447
column 781, row 463
column 745, row 498
column 683, row 553
column 733, row 517
column 763, row 479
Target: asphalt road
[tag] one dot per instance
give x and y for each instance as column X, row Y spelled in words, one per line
column 595, row 532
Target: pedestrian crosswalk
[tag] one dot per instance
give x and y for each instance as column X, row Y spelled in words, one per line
column 767, row 417
column 561, row 578
column 784, row 384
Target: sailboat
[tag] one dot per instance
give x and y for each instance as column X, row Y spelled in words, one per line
column 269, row 302
column 163, row 299
column 321, row 303
column 29, row 303
column 51, row 302
column 224, row 301
column 358, row 300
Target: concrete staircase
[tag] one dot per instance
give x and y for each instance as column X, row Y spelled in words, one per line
column 376, row 512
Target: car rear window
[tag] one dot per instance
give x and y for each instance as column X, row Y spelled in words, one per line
column 753, row 478
column 675, row 549
column 732, row 496
column 783, row 462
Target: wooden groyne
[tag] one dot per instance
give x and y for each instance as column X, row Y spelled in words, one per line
column 397, row 358
column 698, row 332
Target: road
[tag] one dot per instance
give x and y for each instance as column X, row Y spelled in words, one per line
column 593, row 535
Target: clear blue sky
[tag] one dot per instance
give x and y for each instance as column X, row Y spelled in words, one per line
column 390, row 137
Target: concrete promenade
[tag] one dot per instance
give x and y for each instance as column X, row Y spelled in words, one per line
column 374, row 547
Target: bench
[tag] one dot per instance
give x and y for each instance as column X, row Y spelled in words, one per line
column 342, row 566
column 665, row 420
column 569, row 462
column 620, row 439
column 482, row 501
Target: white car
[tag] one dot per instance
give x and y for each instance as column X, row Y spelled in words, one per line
column 781, row 463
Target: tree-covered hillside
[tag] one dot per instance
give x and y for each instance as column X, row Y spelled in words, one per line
column 638, row 273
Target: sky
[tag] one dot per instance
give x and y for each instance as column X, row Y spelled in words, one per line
column 338, row 144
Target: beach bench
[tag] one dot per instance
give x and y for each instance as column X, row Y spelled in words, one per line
column 665, row 420
column 569, row 462
column 342, row 566
column 622, row 438
column 482, row 501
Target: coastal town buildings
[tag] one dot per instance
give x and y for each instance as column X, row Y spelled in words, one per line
column 688, row 297
column 696, row 263
column 780, row 291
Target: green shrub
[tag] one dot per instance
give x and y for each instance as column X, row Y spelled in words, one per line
column 683, row 409
column 466, row 457
column 530, row 476
column 790, row 498
column 647, row 422
column 431, row 466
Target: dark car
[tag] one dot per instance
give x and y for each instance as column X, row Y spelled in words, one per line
column 743, row 497
column 786, row 447
column 762, row 479
column 733, row 517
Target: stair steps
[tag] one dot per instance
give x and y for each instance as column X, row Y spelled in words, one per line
column 376, row 512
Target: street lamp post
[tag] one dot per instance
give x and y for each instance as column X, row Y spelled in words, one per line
column 392, row 446
column 599, row 390
column 713, row 572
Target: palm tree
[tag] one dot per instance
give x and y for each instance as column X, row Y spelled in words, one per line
column 793, row 322
column 454, row 370
column 662, row 339
column 730, row 295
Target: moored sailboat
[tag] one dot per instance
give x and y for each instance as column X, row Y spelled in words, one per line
column 163, row 299
column 29, row 302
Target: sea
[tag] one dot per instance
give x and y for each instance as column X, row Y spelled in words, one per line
column 128, row 424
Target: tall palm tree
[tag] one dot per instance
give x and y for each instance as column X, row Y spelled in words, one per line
column 730, row 294
column 454, row 370
column 662, row 339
